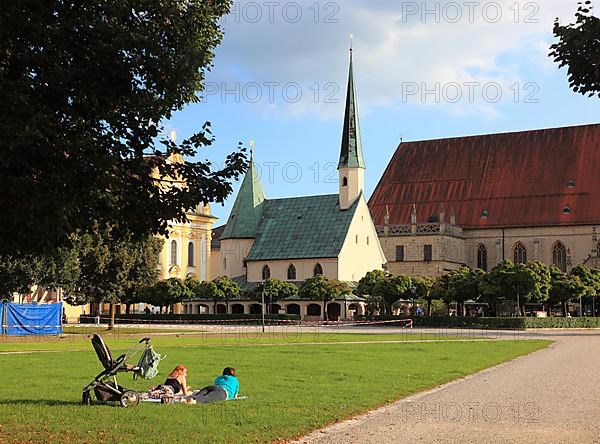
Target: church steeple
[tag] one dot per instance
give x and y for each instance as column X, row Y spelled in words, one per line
column 351, row 166
column 351, row 151
column 247, row 209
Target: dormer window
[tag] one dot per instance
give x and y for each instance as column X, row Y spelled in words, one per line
column 485, row 213
column 567, row 209
column 571, row 183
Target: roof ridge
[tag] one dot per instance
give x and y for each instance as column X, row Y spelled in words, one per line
column 537, row 130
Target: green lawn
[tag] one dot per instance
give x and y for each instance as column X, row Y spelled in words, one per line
column 122, row 339
column 292, row 389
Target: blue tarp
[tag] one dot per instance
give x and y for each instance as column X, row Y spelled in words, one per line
column 33, row 319
column 2, row 318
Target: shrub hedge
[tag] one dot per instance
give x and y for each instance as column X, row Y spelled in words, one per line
column 482, row 322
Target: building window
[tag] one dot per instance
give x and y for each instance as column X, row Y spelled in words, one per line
column 520, row 255
column 567, row 209
column 159, row 261
column 318, row 271
column 345, row 182
column 485, row 213
column 399, row 253
column 191, row 254
column 559, row 256
column 482, row 257
column 266, row 273
column 367, row 240
column 356, row 238
column 291, row 274
column 571, row 183
column 427, row 253
column 173, row 252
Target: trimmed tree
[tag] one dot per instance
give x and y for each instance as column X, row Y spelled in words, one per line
column 565, row 287
column 366, row 288
column 392, row 289
column 320, row 288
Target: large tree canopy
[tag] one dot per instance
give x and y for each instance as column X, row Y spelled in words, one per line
column 578, row 48
column 85, row 87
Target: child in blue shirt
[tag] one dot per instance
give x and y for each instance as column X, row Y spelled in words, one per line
column 226, row 386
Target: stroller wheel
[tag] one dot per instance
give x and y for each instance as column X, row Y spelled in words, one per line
column 86, row 398
column 129, row 398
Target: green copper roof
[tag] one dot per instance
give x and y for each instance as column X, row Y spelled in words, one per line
column 351, row 153
column 247, row 209
column 301, row 228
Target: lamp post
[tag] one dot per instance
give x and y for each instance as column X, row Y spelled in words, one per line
column 263, row 306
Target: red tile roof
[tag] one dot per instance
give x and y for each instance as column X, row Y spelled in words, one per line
column 521, row 178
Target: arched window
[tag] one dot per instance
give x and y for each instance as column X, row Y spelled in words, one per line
column 318, row 270
column 345, row 182
column 291, row 274
column 191, row 254
column 520, row 254
column 482, row 257
column 266, row 273
column 173, row 252
column 559, row 256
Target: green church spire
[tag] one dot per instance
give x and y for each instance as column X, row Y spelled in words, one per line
column 247, row 209
column 351, row 152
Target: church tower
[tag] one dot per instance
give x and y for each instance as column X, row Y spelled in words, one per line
column 351, row 167
column 240, row 232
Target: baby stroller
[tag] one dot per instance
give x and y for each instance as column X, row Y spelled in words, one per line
column 105, row 386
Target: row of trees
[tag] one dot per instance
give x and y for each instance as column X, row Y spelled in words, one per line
column 533, row 282
column 223, row 289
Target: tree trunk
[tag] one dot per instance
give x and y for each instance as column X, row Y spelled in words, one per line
column 111, row 322
column 564, row 309
column 429, row 308
column 128, row 309
column 325, row 310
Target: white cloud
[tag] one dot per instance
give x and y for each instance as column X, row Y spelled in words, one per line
column 395, row 48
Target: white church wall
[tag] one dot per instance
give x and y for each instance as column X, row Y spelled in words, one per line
column 361, row 251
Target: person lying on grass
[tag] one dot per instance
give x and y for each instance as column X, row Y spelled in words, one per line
column 176, row 382
column 226, row 387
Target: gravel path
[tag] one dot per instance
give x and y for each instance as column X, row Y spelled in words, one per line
column 551, row 396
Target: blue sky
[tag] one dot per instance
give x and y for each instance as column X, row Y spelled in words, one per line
column 279, row 78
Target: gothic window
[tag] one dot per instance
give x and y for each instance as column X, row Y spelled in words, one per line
column 266, row 272
column 399, row 253
column 173, row 252
column 318, row 271
column 190, row 254
column 291, row 274
column 559, row 256
column 482, row 257
column 427, row 253
column 520, row 255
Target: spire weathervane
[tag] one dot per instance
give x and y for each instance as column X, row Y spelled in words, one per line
column 251, row 143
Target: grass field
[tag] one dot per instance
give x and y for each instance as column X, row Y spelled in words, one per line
column 124, row 338
column 292, row 389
